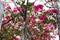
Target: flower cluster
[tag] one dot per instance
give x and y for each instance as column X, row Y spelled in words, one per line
column 39, row 22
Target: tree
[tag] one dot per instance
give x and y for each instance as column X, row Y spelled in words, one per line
column 29, row 21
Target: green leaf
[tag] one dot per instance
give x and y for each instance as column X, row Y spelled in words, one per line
column 29, row 4
column 18, row 3
column 17, row 32
column 39, row 26
column 18, row 15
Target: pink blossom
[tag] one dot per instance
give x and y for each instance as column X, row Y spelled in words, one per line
column 14, row 38
column 15, row 10
column 52, row 37
column 52, row 10
column 33, row 3
column 32, row 19
column 7, row 18
column 49, row 26
column 38, row 38
column 5, row 26
column 21, row 24
column 46, row 34
column 20, row 8
column 40, row 21
column 14, row 21
column 31, row 25
column 42, row 17
column 8, row 7
column 38, row 7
